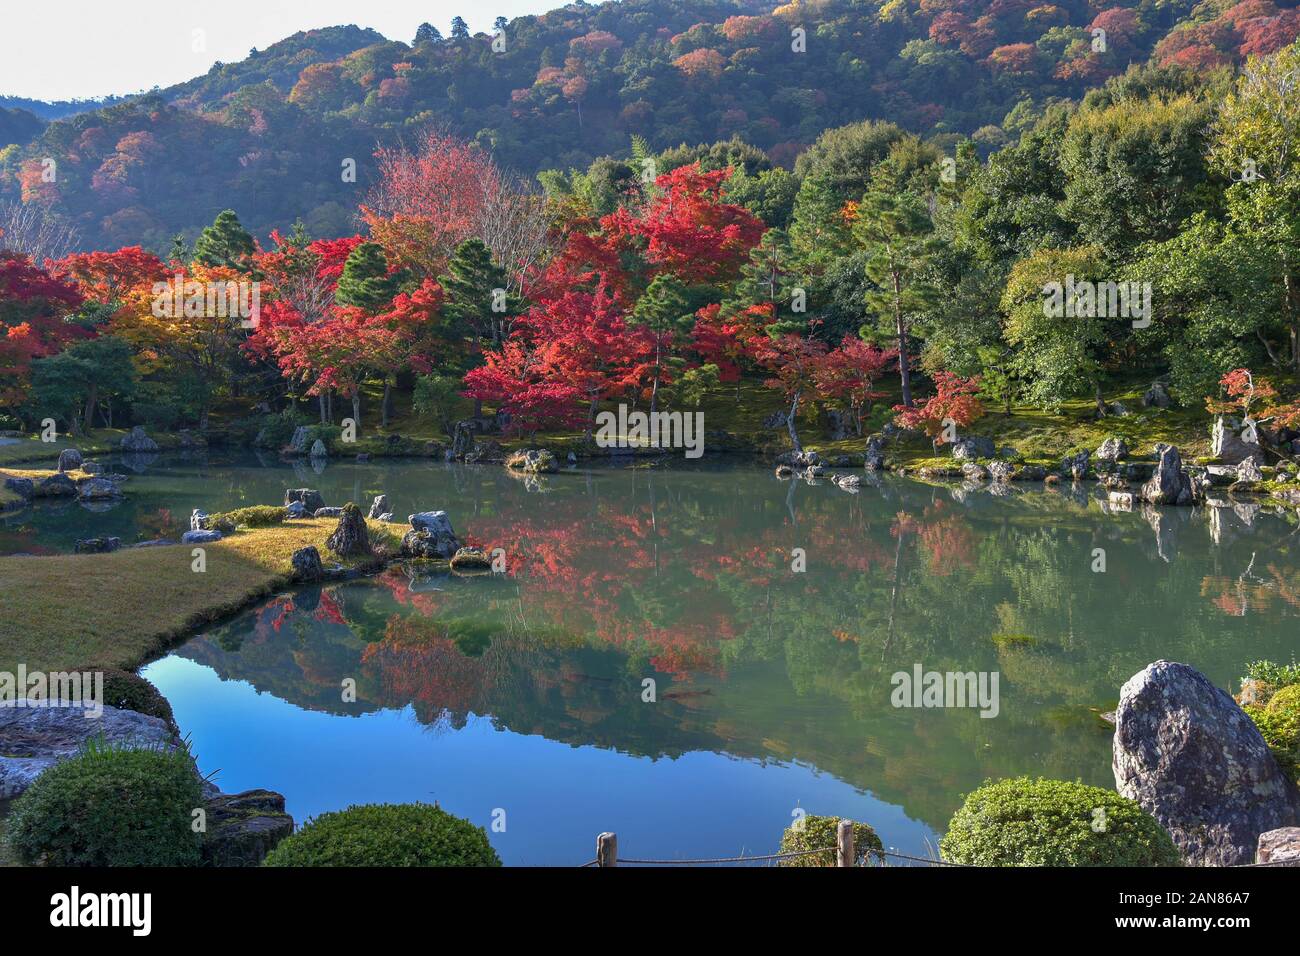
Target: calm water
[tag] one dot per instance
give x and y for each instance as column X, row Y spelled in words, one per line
column 522, row 695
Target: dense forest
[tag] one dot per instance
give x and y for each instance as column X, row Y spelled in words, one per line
column 891, row 266
column 268, row 135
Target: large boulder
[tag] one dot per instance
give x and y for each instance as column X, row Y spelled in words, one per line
column 1192, row 758
column 431, row 536
column 33, row 739
column 138, row 441
column 379, row 507
column 1157, row 396
column 97, row 545
column 1279, row 847
column 974, row 446
column 307, row 564
column 351, row 537
column 1076, row 466
column 242, row 828
column 1112, row 449
column 1170, row 484
column 471, row 559
column 69, row 459
column 298, row 443
column 200, row 537
column 1231, row 448
column 96, row 489
column 532, row 461
column 23, row 487
column 311, row 498
column 56, row 486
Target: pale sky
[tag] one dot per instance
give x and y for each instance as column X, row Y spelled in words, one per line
column 88, row 48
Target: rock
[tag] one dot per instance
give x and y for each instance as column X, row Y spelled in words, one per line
column 198, row 520
column 307, row 564
column 1170, row 485
column 295, row 509
column 1248, row 470
column 95, row 489
column 363, row 456
column 1279, row 847
column 462, row 441
column 327, row 512
column 431, row 536
column 97, row 545
column 488, row 451
column 533, row 461
column 23, row 487
column 974, row 446
column 155, row 543
column 1120, row 500
column 92, row 467
column 1112, row 449
column 838, row 424
column 973, row 471
column 138, row 441
column 56, row 486
column 847, row 482
column 298, row 443
column 784, row 471
column 1157, row 396
column 200, row 537
column 1191, row 757
column 1076, row 466
column 1118, row 409
column 1254, row 692
column 471, row 559
column 242, row 828
column 777, row 419
column 33, row 739
column 69, row 459
column 318, row 449
column 379, row 506
column 350, row 538
column 1231, row 449
column 572, row 458
column 311, row 498
column 1000, row 471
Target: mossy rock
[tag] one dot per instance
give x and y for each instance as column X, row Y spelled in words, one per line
column 386, row 834
column 1027, row 822
column 815, row 833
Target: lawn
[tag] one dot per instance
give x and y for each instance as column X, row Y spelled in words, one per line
column 119, row 609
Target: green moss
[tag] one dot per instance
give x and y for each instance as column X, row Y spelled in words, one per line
column 1279, row 724
column 388, row 834
column 1014, row 640
column 256, row 516
column 1026, row 822
column 815, row 833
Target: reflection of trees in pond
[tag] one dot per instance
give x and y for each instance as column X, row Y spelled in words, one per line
column 696, row 589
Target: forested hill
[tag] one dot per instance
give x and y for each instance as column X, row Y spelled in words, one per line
column 269, row 135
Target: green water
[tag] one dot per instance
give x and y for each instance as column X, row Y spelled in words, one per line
column 525, row 692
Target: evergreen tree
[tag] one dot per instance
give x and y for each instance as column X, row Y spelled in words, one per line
column 459, row 29
column 225, row 243
column 477, row 296
column 366, row 282
column 664, row 310
column 427, row 34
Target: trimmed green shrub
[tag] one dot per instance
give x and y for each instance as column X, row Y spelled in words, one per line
column 1279, row 724
column 110, row 806
column 255, row 516
column 1027, row 822
column 386, row 834
column 815, row 833
column 132, row 692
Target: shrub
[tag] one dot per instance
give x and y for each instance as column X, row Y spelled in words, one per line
column 256, row 516
column 1026, row 822
column 1279, row 724
column 110, row 806
column 132, row 692
column 386, row 834
column 276, row 430
column 1268, row 672
column 155, row 416
column 814, row 833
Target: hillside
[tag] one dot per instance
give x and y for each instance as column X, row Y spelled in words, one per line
column 270, row 134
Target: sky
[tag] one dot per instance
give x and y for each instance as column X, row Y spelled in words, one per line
column 80, row 49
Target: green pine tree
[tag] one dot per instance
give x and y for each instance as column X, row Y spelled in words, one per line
column 366, row 282
column 478, row 300
column 225, row 243
column 664, row 309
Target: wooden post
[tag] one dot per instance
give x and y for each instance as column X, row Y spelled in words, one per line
column 844, row 843
column 607, row 849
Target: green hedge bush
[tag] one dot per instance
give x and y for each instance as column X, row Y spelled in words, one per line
column 132, row 692
column 814, row 833
column 386, row 834
column 110, row 806
column 1279, row 724
column 255, row 516
column 1026, row 822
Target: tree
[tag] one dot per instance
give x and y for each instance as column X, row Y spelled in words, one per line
column 849, row 373
column 367, row 282
column 225, row 243
column 459, row 29
column 478, row 295
column 954, row 401
column 427, row 34
column 664, row 312
column 795, row 362
column 895, row 232
column 73, row 382
column 33, row 309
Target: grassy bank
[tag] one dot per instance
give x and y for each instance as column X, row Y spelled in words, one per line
column 118, row 609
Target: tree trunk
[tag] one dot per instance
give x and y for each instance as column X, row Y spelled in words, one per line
column 1101, row 402
column 90, row 407
column 203, row 418
column 654, row 389
column 383, row 411
column 904, row 367
column 321, row 398
column 356, row 406
column 790, row 426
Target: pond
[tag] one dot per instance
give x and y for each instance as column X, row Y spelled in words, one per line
column 770, row 616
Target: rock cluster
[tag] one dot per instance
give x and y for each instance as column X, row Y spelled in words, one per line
column 431, row 536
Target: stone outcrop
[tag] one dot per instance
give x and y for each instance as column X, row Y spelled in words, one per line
column 33, row 739
column 298, row 443
column 1231, row 448
column 69, row 459
column 533, row 461
column 1076, row 466
column 431, row 536
column 307, row 564
column 23, row 487
column 379, row 507
column 1112, row 449
column 98, row 489
column 1170, row 484
column 1191, row 757
column 138, row 441
column 311, row 498
column 1157, row 396
column 1279, row 847
column 350, row 538
column 974, row 446
column 242, row 828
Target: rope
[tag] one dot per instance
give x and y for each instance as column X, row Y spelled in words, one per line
column 729, row 859
column 919, row 859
